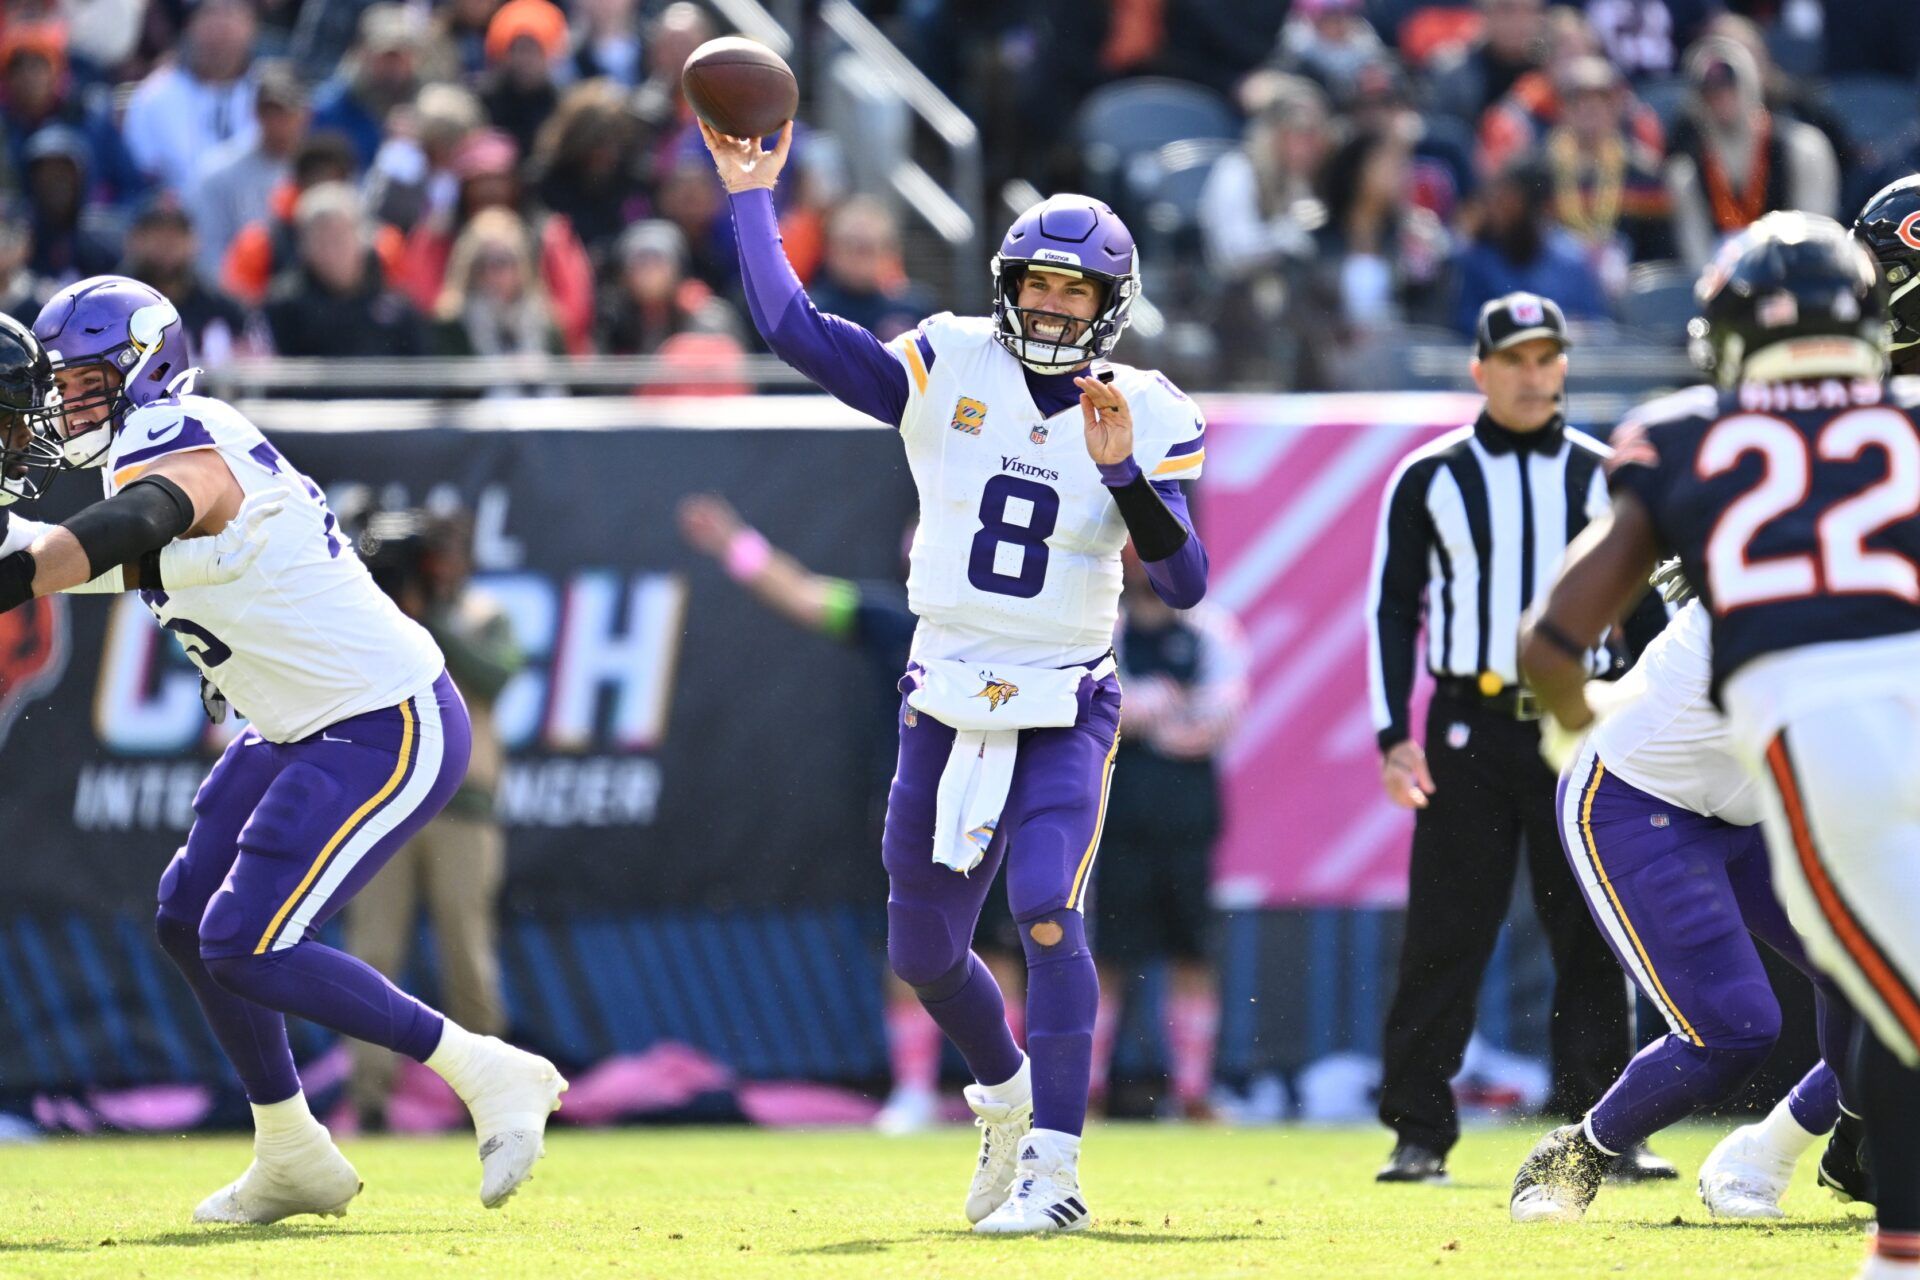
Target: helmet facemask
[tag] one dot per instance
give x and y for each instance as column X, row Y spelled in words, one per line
column 1081, row 341
column 121, row 366
column 29, row 454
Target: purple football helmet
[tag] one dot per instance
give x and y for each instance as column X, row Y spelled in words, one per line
column 1074, row 235
column 130, row 329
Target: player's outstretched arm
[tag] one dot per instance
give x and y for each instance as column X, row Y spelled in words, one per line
column 843, row 359
column 808, row 600
column 181, row 494
column 1156, row 514
column 1605, row 571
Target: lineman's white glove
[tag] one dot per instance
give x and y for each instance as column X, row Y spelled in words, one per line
column 215, row 561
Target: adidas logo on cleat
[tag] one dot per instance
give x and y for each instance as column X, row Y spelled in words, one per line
column 1067, row 1212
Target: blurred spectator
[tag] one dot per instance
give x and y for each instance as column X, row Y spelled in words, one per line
column 606, row 42
column 332, row 301
column 493, row 303
column 1327, row 41
column 102, row 34
column 1379, row 101
column 70, row 240
column 456, row 48
column 198, row 99
column 380, row 73
column 1607, row 188
column 1475, row 78
column 689, row 198
column 1517, row 248
column 1260, row 206
column 1211, row 42
column 1802, row 97
column 237, row 186
column 1519, row 122
column 39, row 89
column 1643, row 38
column 1187, row 673
column 681, row 28
column 525, row 42
column 265, row 248
column 583, row 165
column 1382, row 259
column 1733, row 160
column 484, row 164
column 161, row 251
column 412, row 175
column 862, row 278
column 22, row 291
column 652, row 299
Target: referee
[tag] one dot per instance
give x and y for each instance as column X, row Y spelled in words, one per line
column 1472, row 526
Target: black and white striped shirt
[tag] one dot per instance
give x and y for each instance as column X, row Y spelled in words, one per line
column 1473, row 526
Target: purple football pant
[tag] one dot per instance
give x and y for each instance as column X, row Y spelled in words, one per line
column 1680, row 898
column 1049, row 834
column 283, row 835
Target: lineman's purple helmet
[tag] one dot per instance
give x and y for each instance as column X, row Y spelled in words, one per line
column 128, row 327
column 1077, row 235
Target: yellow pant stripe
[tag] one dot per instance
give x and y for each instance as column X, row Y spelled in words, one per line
column 347, row 829
column 1620, row 912
column 1077, row 894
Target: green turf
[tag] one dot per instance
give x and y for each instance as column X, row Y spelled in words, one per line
column 1169, row 1202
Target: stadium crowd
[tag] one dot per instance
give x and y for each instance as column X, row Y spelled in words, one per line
column 483, row 177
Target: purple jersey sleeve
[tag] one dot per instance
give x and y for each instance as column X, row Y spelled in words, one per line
column 843, row 359
column 1181, row 578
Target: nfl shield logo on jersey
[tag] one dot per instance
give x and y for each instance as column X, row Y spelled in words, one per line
column 1039, row 434
column 969, row 416
column 1457, row 734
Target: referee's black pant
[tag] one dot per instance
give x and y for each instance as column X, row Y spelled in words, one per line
column 1491, row 788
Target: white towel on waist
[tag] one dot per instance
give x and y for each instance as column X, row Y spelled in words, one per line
column 987, row 706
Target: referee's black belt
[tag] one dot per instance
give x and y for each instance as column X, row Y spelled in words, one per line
column 1514, row 701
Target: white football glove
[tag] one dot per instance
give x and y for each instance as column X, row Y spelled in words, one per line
column 215, row 561
column 1559, row 744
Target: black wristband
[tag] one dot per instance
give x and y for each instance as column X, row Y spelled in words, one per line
column 147, row 575
column 1559, row 639
column 16, row 580
column 1157, row 532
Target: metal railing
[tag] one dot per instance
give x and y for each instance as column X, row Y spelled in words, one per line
column 458, row 376
column 955, row 209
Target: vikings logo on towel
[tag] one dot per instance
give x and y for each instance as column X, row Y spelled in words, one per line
column 997, row 692
column 969, row 415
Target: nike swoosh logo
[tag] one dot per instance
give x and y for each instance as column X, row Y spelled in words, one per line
column 327, row 737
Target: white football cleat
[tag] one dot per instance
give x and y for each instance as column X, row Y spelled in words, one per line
column 1002, row 1125
column 909, row 1109
column 1745, row 1176
column 510, row 1105
column 315, row 1180
column 1046, row 1192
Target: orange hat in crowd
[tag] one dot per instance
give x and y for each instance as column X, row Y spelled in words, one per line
column 539, row 19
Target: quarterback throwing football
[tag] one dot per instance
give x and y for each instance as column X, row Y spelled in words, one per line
column 1033, row 468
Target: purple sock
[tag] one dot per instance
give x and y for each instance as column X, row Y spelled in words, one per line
column 1063, row 995
column 1668, row 1081
column 336, row 991
column 969, row 1008
column 1836, row 1026
column 253, row 1038
column 1815, row 1101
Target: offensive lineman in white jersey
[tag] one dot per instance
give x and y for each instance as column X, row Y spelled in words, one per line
column 1034, row 466
column 357, row 739
column 1660, row 824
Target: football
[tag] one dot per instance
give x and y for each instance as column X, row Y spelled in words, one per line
column 740, row 87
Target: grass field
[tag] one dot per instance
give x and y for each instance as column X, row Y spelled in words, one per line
column 1169, row 1202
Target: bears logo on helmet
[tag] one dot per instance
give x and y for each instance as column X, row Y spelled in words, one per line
column 33, row 655
column 1889, row 225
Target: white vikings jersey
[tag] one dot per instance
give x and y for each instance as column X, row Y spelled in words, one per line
column 304, row 638
column 1017, row 555
column 1667, row 738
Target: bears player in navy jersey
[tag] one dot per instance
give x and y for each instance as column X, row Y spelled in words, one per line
column 1791, row 493
column 1889, row 225
column 1034, row 465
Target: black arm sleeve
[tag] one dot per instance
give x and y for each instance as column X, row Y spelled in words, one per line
column 1396, row 615
column 1157, row 532
column 142, row 518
